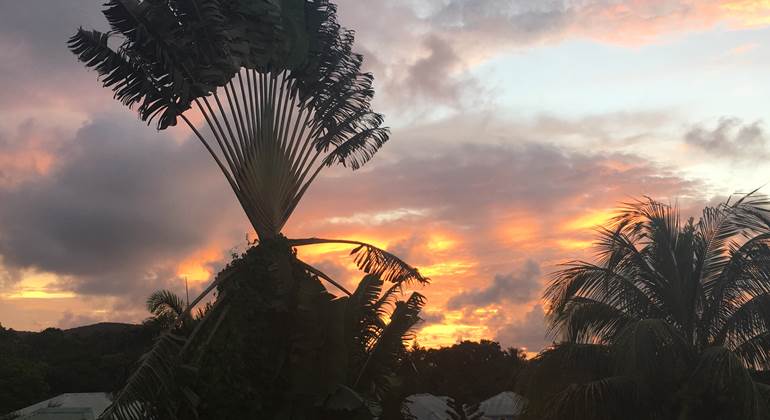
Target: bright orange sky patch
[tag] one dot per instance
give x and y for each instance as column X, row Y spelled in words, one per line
column 195, row 268
column 589, row 220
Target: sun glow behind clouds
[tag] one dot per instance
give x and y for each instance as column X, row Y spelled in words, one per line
column 35, row 285
column 590, row 220
column 749, row 13
column 315, row 252
column 450, row 330
column 197, row 267
column 573, row 244
column 447, row 268
column 379, row 218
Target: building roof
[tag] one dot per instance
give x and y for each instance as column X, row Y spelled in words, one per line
column 503, row 404
column 432, row 407
column 427, row 407
column 84, row 406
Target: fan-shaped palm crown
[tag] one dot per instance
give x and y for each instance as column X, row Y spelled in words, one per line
column 276, row 81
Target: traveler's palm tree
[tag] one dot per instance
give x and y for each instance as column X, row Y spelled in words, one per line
column 282, row 96
column 668, row 322
column 376, row 327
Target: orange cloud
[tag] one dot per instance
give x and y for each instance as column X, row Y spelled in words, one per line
column 447, row 268
column 520, row 229
column 588, row 220
column 573, row 244
column 747, row 13
column 37, row 285
column 441, row 242
column 636, row 22
column 197, row 267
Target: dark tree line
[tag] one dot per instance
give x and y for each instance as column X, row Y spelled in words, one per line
column 469, row 372
column 97, row 358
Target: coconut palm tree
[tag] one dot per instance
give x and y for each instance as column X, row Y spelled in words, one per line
column 282, row 96
column 668, row 323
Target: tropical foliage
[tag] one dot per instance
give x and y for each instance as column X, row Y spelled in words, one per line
column 669, row 322
column 35, row 366
column 166, row 308
column 368, row 332
column 283, row 96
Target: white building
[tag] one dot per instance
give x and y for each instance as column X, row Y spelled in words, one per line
column 84, row 406
column 426, row 407
column 503, row 406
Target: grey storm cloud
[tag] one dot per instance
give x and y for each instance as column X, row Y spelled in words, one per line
column 120, row 207
column 528, row 332
column 430, row 318
column 34, row 60
column 518, row 287
column 731, row 138
column 432, row 75
column 519, row 21
column 484, row 180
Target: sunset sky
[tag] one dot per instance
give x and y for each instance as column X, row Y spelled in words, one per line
column 517, row 127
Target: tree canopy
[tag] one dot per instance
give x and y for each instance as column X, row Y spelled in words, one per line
column 670, row 321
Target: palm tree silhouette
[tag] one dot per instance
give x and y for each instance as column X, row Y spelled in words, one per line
column 668, row 322
column 166, row 308
column 283, row 96
column 379, row 325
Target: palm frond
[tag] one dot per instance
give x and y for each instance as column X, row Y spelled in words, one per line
column 754, row 351
column 325, row 277
column 374, row 376
column 751, row 314
column 363, row 321
column 387, row 301
column 743, row 281
column 126, row 77
column 164, row 301
column 373, row 260
column 553, row 370
column 604, row 399
column 587, row 320
column 154, row 390
column 556, row 367
column 385, row 265
column 166, row 307
column 717, row 226
column 618, row 288
column 652, row 352
column 160, row 388
column 721, row 386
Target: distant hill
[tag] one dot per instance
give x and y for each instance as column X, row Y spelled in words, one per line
column 104, row 328
column 94, row 358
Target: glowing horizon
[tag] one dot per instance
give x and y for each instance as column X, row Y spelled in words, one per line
column 516, row 131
